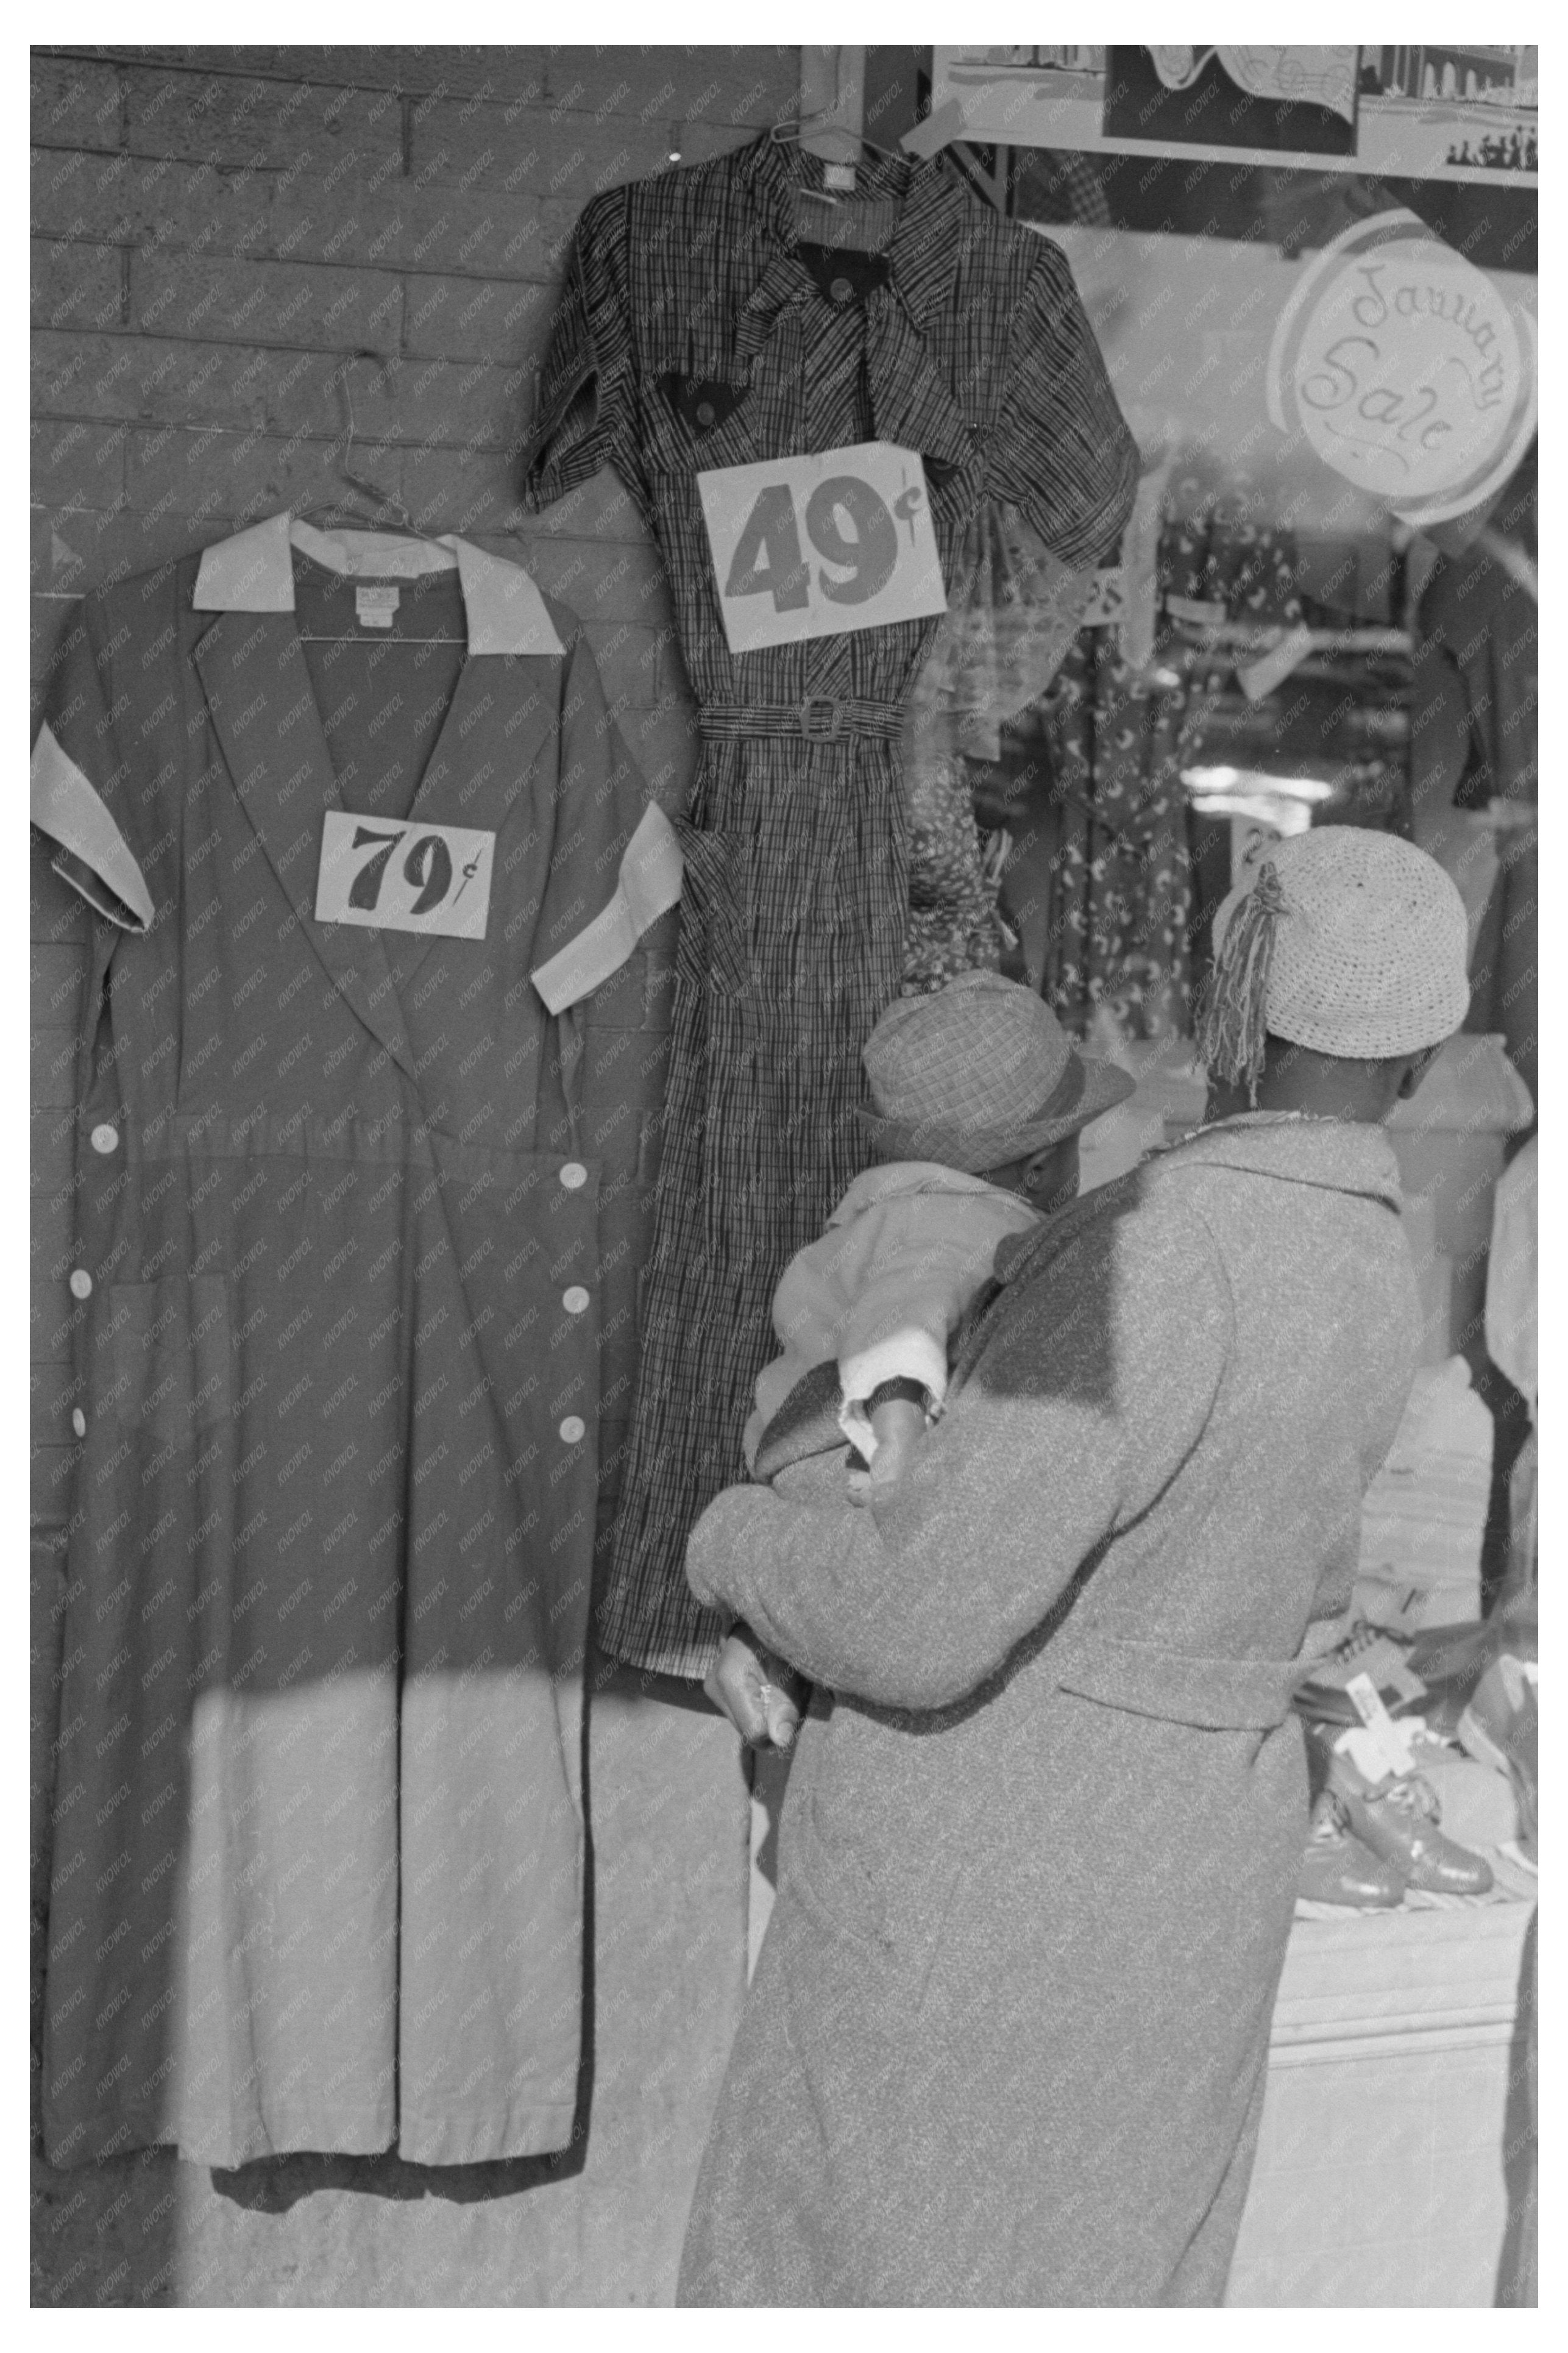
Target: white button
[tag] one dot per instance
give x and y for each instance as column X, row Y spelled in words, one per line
column 574, row 1428
column 78, row 1421
column 573, row 1174
column 81, row 1282
column 105, row 1138
column 574, row 1299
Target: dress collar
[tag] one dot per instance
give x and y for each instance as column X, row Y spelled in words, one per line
column 930, row 201
column 254, row 573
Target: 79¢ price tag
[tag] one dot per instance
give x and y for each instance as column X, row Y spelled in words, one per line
column 811, row 547
column 404, row 877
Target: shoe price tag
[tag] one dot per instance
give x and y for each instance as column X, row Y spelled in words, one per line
column 1386, row 1736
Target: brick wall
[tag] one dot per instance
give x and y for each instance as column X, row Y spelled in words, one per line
column 216, row 234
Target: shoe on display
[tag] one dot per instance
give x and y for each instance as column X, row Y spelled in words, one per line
column 1397, row 1818
column 1499, row 1727
column 1322, row 1698
column 1336, row 1868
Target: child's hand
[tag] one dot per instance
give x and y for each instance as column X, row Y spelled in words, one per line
column 892, row 1457
column 888, row 1465
column 757, row 1691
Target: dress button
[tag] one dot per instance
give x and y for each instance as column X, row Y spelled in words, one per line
column 80, row 1283
column 574, row 1176
column 78, row 1421
column 705, row 414
column 574, row 1428
column 105, row 1138
column 841, row 289
column 574, row 1299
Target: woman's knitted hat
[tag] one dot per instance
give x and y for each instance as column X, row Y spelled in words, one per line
column 1348, row 941
column 978, row 1074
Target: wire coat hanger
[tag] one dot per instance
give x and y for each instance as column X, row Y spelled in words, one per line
column 341, row 511
column 382, row 500
column 808, row 126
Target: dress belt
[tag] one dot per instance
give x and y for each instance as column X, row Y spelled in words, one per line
column 821, row 719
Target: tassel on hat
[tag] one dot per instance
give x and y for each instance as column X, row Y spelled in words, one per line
column 1233, row 1017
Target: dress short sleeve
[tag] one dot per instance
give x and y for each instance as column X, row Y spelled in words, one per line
column 82, row 794
column 586, row 411
column 1061, row 451
column 615, row 864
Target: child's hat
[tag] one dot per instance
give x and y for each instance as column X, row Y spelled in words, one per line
column 978, row 1074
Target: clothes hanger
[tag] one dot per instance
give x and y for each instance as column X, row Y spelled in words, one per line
column 798, row 127
column 332, row 515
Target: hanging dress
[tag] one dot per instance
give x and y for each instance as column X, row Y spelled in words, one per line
column 712, row 317
column 336, row 1304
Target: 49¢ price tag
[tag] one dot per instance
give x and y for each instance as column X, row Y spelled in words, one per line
column 811, row 547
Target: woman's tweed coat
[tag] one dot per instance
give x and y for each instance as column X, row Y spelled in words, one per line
column 1007, row 2037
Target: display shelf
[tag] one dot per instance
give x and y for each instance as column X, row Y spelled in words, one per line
column 1380, row 2177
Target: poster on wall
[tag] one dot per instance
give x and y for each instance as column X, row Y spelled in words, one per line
column 1394, row 111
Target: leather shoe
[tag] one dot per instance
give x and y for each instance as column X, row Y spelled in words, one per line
column 1397, row 1818
column 1337, row 1869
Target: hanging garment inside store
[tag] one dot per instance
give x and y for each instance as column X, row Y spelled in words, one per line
column 1118, row 730
column 364, row 839
column 716, row 316
column 1123, row 881
column 1012, row 619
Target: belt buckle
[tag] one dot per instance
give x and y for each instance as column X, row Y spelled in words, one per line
column 819, row 718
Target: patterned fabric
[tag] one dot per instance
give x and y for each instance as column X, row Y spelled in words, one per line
column 1249, row 566
column 954, row 926
column 1123, row 897
column 687, row 295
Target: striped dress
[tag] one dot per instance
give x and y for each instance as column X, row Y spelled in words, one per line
column 711, row 317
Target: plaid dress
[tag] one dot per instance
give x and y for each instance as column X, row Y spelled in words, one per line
column 712, row 317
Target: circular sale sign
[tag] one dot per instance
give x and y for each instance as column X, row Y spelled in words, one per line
column 1405, row 368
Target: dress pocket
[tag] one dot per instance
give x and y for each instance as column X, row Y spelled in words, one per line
column 715, row 950
column 172, row 1355
column 690, row 422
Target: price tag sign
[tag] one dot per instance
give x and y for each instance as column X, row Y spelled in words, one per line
column 1392, row 1744
column 404, row 877
column 811, row 547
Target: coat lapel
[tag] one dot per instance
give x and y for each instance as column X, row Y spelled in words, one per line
column 258, row 691
column 504, row 707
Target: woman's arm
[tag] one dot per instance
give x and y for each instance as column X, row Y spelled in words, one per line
column 1094, row 1386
